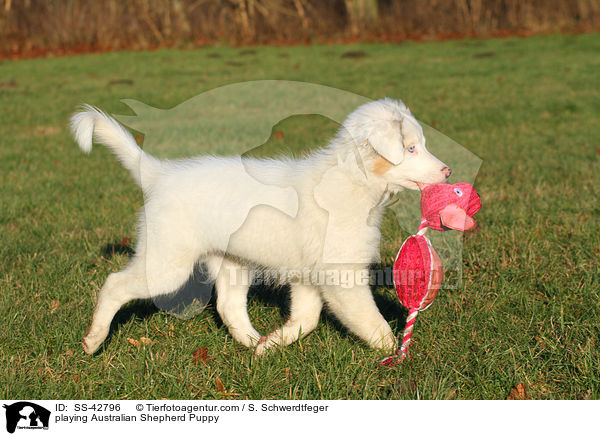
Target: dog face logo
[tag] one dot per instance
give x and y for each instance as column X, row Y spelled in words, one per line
column 26, row 415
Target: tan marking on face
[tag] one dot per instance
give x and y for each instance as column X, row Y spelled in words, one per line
column 382, row 165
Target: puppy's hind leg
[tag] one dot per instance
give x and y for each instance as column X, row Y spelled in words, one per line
column 119, row 288
column 232, row 282
column 158, row 269
column 305, row 310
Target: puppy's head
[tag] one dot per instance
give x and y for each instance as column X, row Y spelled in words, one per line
column 393, row 145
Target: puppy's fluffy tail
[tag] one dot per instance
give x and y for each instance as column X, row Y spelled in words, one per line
column 91, row 123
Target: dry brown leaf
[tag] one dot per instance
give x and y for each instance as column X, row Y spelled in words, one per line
column 134, row 342
column 46, row 130
column 200, row 355
column 220, row 387
column 9, row 84
column 519, row 392
column 54, row 306
column 354, row 54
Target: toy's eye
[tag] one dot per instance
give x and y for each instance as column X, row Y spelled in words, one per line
column 458, row 192
column 411, row 148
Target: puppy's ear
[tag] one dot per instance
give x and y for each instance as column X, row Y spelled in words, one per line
column 386, row 140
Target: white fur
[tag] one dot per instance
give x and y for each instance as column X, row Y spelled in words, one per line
column 321, row 214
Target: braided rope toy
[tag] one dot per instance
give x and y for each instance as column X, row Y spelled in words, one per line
column 418, row 272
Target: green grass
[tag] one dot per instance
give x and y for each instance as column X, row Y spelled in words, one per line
column 528, row 310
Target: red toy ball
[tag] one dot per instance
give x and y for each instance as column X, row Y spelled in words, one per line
column 418, row 273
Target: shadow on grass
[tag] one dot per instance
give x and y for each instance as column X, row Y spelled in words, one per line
column 119, row 248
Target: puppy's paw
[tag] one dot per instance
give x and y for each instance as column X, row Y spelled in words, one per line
column 390, row 344
column 264, row 345
column 382, row 338
column 93, row 339
column 387, row 343
column 89, row 345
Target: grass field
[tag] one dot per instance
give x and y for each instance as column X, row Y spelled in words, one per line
column 528, row 310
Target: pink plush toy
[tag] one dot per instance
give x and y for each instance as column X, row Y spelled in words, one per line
column 418, row 272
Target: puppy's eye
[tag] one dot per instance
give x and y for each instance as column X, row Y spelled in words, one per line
column 411, row 148
column 458, row 192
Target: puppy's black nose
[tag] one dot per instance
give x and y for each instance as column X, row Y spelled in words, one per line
column 447, row 171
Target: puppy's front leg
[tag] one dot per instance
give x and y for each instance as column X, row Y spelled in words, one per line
column 356, row 309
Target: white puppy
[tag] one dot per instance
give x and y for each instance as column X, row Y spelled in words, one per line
column 319, row 214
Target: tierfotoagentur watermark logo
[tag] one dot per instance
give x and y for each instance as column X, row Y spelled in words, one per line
column 25, row 415
column 236, row 121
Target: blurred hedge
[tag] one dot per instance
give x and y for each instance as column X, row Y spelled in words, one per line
column 65, row 25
